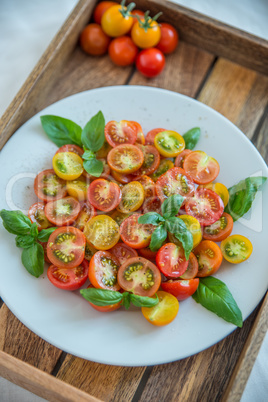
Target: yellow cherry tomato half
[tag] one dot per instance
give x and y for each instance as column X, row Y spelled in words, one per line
column 132, row 197
column 236, row 248
column 146, row 36
column 67, row 165
column 164, row 166
column 102, row 232
column 78, row 188
column 220, row 189
column 164, row 312
column 169, row 143
column 117, row 20
column 193, row 225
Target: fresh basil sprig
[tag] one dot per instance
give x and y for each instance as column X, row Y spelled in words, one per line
column 215, row 296
column 105, row 297
column 169, row 222
column 27, row 237
column 191, row 137
column 63, row 131
column 241, row 196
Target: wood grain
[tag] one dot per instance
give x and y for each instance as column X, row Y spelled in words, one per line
column 261, row 141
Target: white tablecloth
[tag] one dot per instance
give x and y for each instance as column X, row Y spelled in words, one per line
column 27, row 27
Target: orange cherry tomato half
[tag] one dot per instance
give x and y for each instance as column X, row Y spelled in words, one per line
column 192, row 268
column 123, row 252
column 122, row 178
column 236, row 248
column 140, row 135
column 66, row 247
column 101, row 8
column 123, row 51
column 171, row 260
column 180, row 288
column 125, row 158
column 68, row 278
column 118, row 133
column 169, row 38
column 134, row 234
column 139, row 276
column 174, row 181
column 149, row 139
column 93, row 40
column 71, row 148
column 37, row 215
column 201, row 167
column 209, row 257
column 206, row 206
column 62, row 212
column 180, row 158
column 86, row 213
column 103, row 268
column 220, row 229
column 148, row 186
column 151, row 160
column 48, row 186
column 104, row 195
column 164, row 312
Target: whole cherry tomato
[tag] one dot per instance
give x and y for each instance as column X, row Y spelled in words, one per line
column 100, row 10
column 123, row 51
column 93, row 40
column 117, row 20
column 150, row 62
column 169, row 38
column 146, row 32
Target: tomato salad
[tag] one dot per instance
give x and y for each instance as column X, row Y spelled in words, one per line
column 139, row 217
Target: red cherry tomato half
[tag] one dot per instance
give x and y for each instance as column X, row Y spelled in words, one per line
column 100, row 10
column 192, row 269
column 209, row 258
column 169, row 38
column 180, row 158
column 71, row 148
column 44, row 245
column 150, row 163
column 139, row 276
column 171, row 261
column 149, row 139
column 62, row 212
column 37, row 214
column 48, row 186
column 104, row 195
column 68, row 278
column 66, row 247
column 201, row 167
column 219, row 230
column 123, row 51
column 152, row 204
column 174, row 181
column 148, row 186
column 103, row 269
column 147, row 253
column 93, row 40
column 105, row 309
column 118, row 133
column 134, row 234
column 123, row 252
column 140, row 135
column 150, row 62
column 181, row 288
column 206, row 206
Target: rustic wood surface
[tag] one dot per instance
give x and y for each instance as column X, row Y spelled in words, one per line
column 238, row 93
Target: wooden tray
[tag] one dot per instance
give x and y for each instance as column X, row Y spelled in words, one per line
column 216, row 64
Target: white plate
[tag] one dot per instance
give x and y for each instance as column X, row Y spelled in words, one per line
column 65, row 319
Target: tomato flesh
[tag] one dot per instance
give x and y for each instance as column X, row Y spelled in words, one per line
column 62, row 212
column 123, row 252
column 67, row 165
column 171, row 260
column 169, row 143
column 209, row 258
column 102, row 231
column 119, row 133
column 236, row 248
column 164, row 166
column 104, row 195
column 206, row 206
column 132, row 197
column 87, row 212
column 151, row 160
column 220, row 229
column 134, row 234
column 181, row 288
column 48, row 186
column 192, row 269
column 174, row 181
column 37, row 214
column 125, row 158
column 103, row 268
column 68, row 278
column 149, row 139
column 201, row 167
column 164, row 312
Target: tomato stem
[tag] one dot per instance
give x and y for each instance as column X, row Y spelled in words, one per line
column 126, row 10
column 147, row 23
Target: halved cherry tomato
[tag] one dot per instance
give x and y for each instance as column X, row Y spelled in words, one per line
column 48, row 186
column 103, row 268
column 71, row 148
column 209, row 258
column 125, row 158
column 123, row 51
column 132, row 197
column 104, row 195
column 44, row 245
column 147, row 253
column 151, row 160
column 86, row 213
column 66, row 247
column 67, row 165
column 220, row 229
column 181, row 288
column 78, row 188
column 118, row 133
column 68, row 278
column 164, row 312
column 105, row 173
column 105, row 309
column 139, row 276
column 174, row 181
column 62, row 212
column 37, row 214
column 123, row 252
column 118, row 217
column 90, row 250
column 134, row 234
column 206, row 206
column 93, row 40
column 193, row 225
column 220, row 189
column 140, row 135
column 171, row 260
column 148, row 186
column 146, row 34
column 150, row 62
column 152, row 204
column 169, row 143
column 102, row 231
column 164, row 166
column 236, row 248
column 103, row 152
column 149, row 139
column 101, row 8
column 180, row 158
column 122, row 178
column 169, row 38
column 117, row 20
column 192, row 268
column 201, row 167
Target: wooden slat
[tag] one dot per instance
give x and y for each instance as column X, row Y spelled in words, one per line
column 261, row 142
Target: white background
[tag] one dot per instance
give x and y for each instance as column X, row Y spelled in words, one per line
column 27, row 27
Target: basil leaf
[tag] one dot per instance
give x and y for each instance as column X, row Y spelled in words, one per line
column 126, row 300
column 171, row 205
column 143, row 301
column 44, row 235
column 61, row 131
column 33, row 259
column 158, row 238
column 101, row 297
column 152, row 218
column 15, row 222
column 177, row 226
column 93, row 133
column 93, row 167
column 191, row 137
column 87, row 155
column 241, row 196
column 24, row 241
column 215, row 296
column 34, row 230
